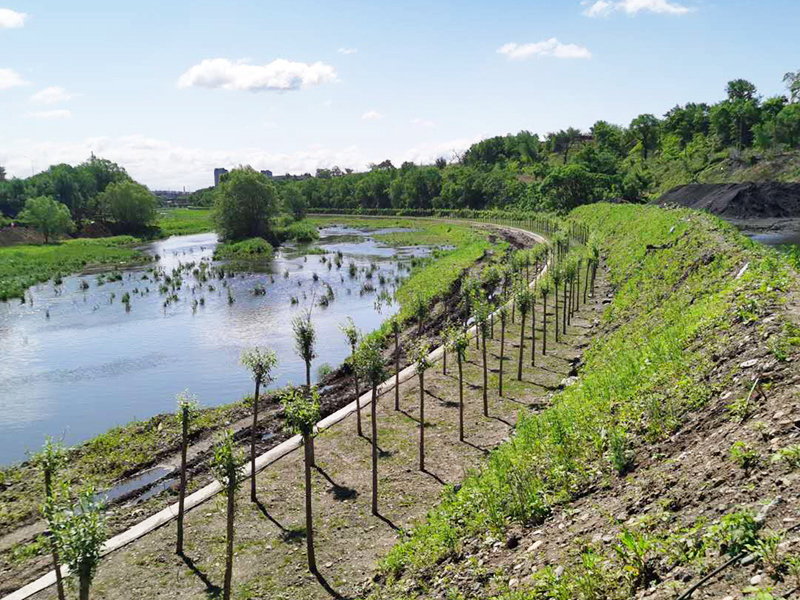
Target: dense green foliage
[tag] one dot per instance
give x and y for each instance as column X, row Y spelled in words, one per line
column 250, row 249
column 128, row 204
column 48, row 217
column 567, row 168
column 669, row 316
column 244, row 204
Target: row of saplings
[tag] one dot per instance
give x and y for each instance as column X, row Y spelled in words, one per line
column 502, row 293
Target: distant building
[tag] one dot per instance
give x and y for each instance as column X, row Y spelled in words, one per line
column 218, row 173
column 267, row 173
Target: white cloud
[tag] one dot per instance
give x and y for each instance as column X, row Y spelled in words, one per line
column 51, row 95
column 59, row 113
column 372, row 115
column 422, row 122
column 603, row 8
column 551, row 47
column 347, row 51
column 10, row 19
column 279, row 75
column 10, row 78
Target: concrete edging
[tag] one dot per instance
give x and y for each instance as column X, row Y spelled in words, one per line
column 193, row 500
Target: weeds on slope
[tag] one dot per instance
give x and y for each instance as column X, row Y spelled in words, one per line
column 682, row 281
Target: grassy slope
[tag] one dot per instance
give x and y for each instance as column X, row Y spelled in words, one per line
column 672, row 313
column 185, row 221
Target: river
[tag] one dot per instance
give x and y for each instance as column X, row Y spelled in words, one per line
column 75, row 362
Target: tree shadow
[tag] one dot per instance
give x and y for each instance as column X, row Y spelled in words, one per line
column 212, row 590
column 410, row 416
column 502, row 420
column 388, row 522
column 339, row 492
column 327, row 586
column 478, row 448
column 294, row 534
column 434, row 475
column 264, row 512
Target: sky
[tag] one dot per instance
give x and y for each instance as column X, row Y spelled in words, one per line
column 170, row 90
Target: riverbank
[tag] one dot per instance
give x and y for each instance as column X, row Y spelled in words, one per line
column 669, row 458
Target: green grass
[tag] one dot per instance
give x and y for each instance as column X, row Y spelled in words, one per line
column 672, row 310
column 251, row 249
column 25, row 265
column 185, row 221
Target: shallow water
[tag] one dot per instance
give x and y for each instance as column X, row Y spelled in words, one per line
column 76, row 363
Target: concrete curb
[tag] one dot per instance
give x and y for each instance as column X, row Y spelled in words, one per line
column 263, row 461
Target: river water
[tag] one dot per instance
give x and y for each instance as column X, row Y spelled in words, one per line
column 75, row 362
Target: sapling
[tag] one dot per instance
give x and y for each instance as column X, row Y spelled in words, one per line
column 420, row 310
column 305, row 337
column 422, row 364
column 81, row 531
column 226, row 465
column 544, row 291
column 186, row 407
column 351, row 333
column 502, row 315
column 523, row 300
column 369, row 363
column 302, row 414
column 261, row 362
column 50, row 460
column 459, row 341
column 482, row 311
column 556, row 277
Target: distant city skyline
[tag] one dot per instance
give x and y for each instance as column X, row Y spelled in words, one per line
column 173, row 90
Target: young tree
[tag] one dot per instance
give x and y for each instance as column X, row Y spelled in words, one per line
column 502, row 314
column 556, row 277
column 422, row 364
column 369, row 363
column 187, row 405
column 261, row 362
column 46, row 216
column 420, row 310
column 50, row 460
column 305, row 338
column 352, row 334
column 523, row 301
column 544, row 291
column 482, row 311
column 302, row 414
column 81, row 532
column 459, row 341
column 395, row 325
column 226, row 468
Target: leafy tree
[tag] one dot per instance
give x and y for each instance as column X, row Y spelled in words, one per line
column 523, row 303
column 787, row 125
column 570, row 186
column 305, row 339
column 302, row 414
column 187, row 405
column 792, row 81
column 12, row 196
column 422, row 364
column 502, row 314
column 260, row 362
column 645, row 130
column 47, row 216
column 81, row 532
column 369, row 364
column 294, row 203
column 352, row 334
column 2, row 173
column 244, row 204
column 50, row 460
column 740, row 89
column 131, row 205
column 226, row 468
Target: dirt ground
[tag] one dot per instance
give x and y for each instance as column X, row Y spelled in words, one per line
column 270, row 559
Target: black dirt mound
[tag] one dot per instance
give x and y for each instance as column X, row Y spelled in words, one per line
column 739, row 200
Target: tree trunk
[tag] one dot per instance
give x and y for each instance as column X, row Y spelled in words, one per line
column 460, row 399
column 565, row 307
column 544, row 325
column 253, row 443
column 444, row 359
column 555, row 305
column 308, row 375
column 48, row 492
column 374, row 414
column 182, row 485
column 502, row 353
column 358, row 395
column 586, row 282
column 312, row 561
column 491, row 326
column 421, row 421
column 521, row 346
column 578, row 287
column 84, row 582
column 533, row 334
column 397, row 370
column 226, row 587
column 485, row 378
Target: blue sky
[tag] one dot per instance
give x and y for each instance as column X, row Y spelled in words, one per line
column 172, row 89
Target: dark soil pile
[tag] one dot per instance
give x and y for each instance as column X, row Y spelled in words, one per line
column 738, row 200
